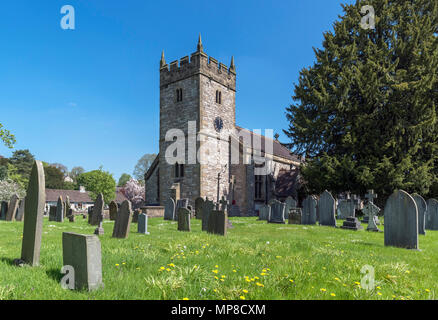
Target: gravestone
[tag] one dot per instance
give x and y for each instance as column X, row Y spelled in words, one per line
column 199, row 202
column 309, row 210
column 52, row 213
column 84, row 254
column 218, row 222
column 421, row 207
column 60, row 210
column 33, row 216
column 184, row 219
column 143, row 224
column 264, row 212
column 135, row 216
column 71, row 216
column 113, row 210
column 4, row 210
column 97, row 215
column 352, row 223
column 295, row 215
column 277, row 214
column 207, row 209
column 432, row 215
column 289, row 204
column 371, row 211
column 401, row 221
column 20, row 211
column 13, row 207
column 370, row 196
column 234, row 211
column 89, row 214
column 123, row 221
column 346, row 209
column 169, row 209
column 99, row 230
column 67, row 206
column 327, row 209
column 180, row 203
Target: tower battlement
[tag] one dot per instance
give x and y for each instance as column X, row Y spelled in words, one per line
column 198, row 63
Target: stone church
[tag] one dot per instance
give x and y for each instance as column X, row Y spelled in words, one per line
column 216, row 158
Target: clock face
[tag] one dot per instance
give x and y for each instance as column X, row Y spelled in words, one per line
column 218, row 124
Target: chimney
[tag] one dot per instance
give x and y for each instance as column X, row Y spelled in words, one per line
column 82, row 189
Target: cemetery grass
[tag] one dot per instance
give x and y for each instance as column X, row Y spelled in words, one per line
column 256, row 261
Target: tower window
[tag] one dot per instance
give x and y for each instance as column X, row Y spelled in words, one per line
column 258, row 187
column 179, row 170
column 179, row 95
column 218, row 97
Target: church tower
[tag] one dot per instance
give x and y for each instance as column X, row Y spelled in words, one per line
column 197, row 94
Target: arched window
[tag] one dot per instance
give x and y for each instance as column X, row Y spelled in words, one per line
column 218, row 97
column 179, row 95
column 179, row 170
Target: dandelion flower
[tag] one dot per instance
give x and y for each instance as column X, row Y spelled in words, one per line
column 323, row 290
column 245, row 291
column 242, row 298
column 332, row 294
column 186, row 299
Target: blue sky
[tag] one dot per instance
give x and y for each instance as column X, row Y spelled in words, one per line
column 90, row 96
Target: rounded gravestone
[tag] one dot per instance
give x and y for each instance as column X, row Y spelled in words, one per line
column 432, row 214
column 327, row 210
column 401, row 221
column 422, row 207
column 309, row 210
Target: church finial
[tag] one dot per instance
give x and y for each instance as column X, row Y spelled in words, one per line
column 232, row 66
column 200, row 47
column 163, row 61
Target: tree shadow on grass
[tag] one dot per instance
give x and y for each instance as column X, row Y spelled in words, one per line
column 8, row 261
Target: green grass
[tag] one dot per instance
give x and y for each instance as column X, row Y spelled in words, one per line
column 300, row 262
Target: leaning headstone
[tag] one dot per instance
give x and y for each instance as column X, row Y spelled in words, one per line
column 4, row 210
column 207, row 209
column 264, row 212
column 277, row 214
column 432, row 214
column 97, row 214
column 113, row 210
column 60, row 210
column 289, row 204
column 401, row 221
column 309, row 210
column 143, row 224
column 181, row 203
column 33, row 216
column 295, row 215
column 84, row 254
column 327, row 209
column 20, row 212
column 13, row 207
column 199, row 202
column 123, row 221
column 183, row 219
column 422, row 208
column 52, row 213
column 169, row 209
column 371, row 211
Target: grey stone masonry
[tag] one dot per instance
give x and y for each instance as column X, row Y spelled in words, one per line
column 401, row 221
column 33, row 216
column 84, row 254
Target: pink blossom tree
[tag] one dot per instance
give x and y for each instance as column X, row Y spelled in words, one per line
column 135, row 192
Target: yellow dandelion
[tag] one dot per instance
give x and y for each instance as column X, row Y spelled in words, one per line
column 245, row 291
column 259, row 284
column 117, row 264
column 379, row 293
column 186, row 299
column 223, row 276
column 332, row 294
column 291, row 280
column 167, row 269
column 216, row 266
column 263, row 274
column 215, row 271
column 242, row 298
column 379, row 288
column 234, row 271
column 337, row 279
column 222, row 280
column 323, row 290
column 427, row 290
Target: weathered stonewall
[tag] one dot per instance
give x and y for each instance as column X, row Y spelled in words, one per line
column 401, row 221
column 52, row 213
column 84, row 254
column 207, row 209
column 60, row 210
column 184, row 219
column 264, row 212
column 142, row 224
column 113, row 210
column 13, row 207
column 97, row 215
column 295, row 216
column 277, row 214
column 123, row 221
column 432, row 214
column 169, row 209
column 199, row 202
column 4, row 210
column 20, row 212
column 327, row 210
column 422, row 208
column 33, row 216
column 309, row 210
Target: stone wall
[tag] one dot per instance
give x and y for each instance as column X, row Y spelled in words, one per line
column 151, row 188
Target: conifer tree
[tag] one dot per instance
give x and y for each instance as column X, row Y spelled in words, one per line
column 365, row 114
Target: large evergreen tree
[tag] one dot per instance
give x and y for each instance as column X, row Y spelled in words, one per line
column 364, row 114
